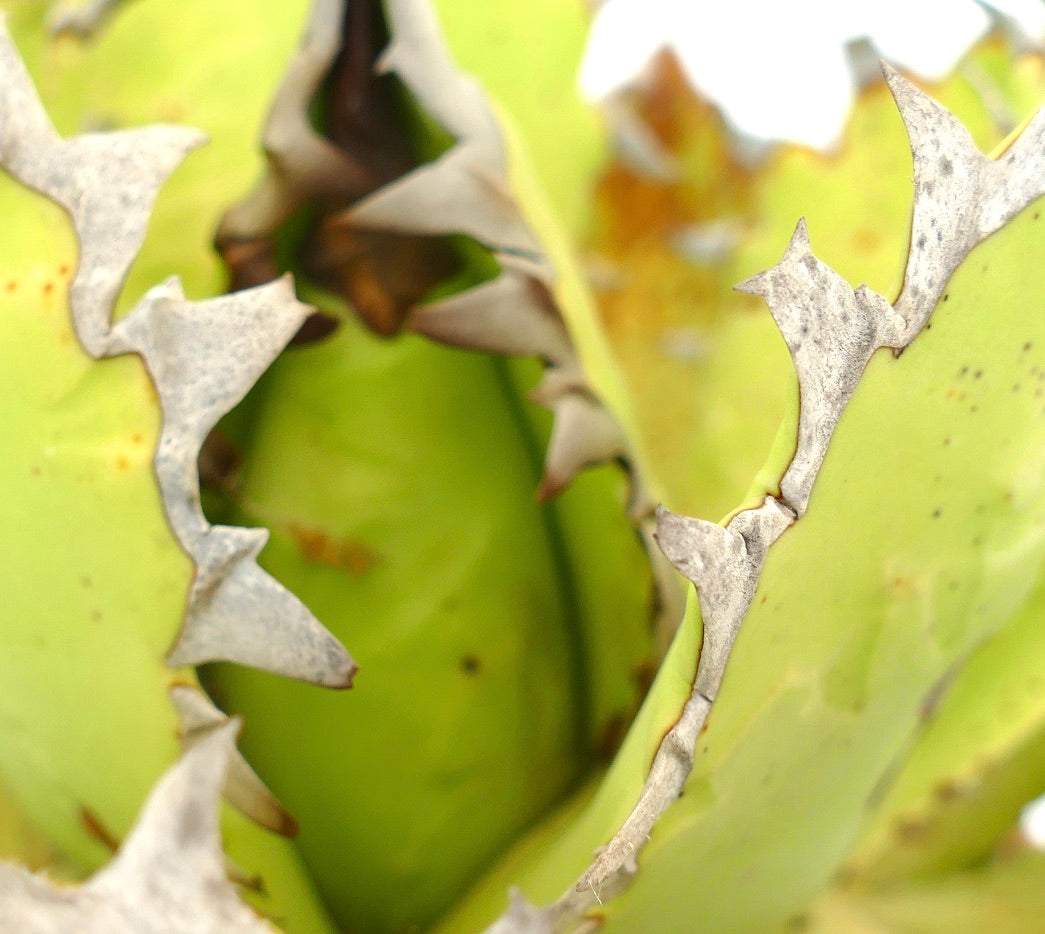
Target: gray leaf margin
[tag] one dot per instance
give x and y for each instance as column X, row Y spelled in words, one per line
column 464, row 191
column 169, row 876
column 203, row 357
column 831, row 330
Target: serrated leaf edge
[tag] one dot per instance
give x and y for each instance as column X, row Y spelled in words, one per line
column 169, row 875
column 202, row 357
column 831, row 330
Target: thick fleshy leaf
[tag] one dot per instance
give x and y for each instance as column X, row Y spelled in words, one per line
column 200, row 367
column 1007, row 895
column 812, row 303
column 666, row 252
column 169, row 875
column 81, row 435
column 470, row 189
column 199, row 718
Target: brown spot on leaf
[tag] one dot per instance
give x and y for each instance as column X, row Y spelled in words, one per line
column 95, row 828
column 911, row 829
column 867, row 240
column 947, row 791
column 344, row 554
column 902, row 586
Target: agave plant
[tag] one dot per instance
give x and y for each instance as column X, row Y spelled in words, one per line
column 397, row 359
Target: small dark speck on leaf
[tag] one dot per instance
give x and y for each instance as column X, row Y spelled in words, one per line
column 910, row 829
column 946, row 296
column 471, row 665
column 937, row 513
column 93, row 825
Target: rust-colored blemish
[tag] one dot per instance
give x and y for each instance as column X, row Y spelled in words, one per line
column 48, row 287
column 911, row 829
column 63, row 270
column 122, row 462
column 344, row 554
column 866, row 240
column 902, row 586
column 95, row 828
column 947, row 791
column 11, row 285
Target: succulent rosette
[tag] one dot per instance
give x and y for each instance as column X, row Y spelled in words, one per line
column 339, row 355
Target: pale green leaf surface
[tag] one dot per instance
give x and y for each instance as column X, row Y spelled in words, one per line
column 1007, row 896
column 924, row 536
column 526, row 55
column 573, row 847
column 83, row 625
column 979, row 757
column 168, row 876
column 705, row 368
column 87, row 683
column 468, row 636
